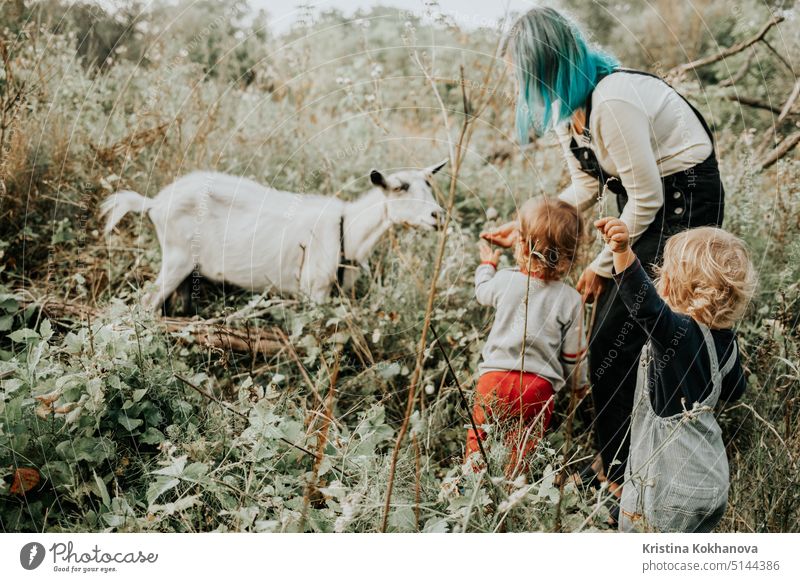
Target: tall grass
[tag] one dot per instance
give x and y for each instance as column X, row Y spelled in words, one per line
column 90, row 397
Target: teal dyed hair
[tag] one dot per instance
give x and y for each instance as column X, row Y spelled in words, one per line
column 553, row 63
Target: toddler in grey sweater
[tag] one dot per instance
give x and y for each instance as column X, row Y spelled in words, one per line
column 537, row 338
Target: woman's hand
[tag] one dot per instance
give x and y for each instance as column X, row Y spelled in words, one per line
column 503, row 236
column 488, row 255
column 590, row 285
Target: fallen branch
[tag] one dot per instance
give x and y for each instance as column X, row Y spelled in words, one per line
column 266, row 341
column 787, row 107
column 756, row 103
column 783, row 148
column 740, row 74
column 737, row 48
column 781, row 58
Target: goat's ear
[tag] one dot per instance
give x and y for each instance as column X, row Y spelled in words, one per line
column 377, row 179
column 433, row 169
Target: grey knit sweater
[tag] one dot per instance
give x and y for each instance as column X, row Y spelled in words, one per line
column 553, row 344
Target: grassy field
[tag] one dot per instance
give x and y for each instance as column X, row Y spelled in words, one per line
column 111, row 419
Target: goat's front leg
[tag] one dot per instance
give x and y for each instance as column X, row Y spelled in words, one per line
column 317, row 276
column 175, row 267
column 320, row 294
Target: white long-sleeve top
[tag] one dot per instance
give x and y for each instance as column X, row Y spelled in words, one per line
column 553, row 344
column 641, row 130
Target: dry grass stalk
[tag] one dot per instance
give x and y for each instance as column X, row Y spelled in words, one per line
column 312, row 486
column 456, row 161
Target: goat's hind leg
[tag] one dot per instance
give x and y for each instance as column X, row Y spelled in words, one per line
column 175, row 267
column 180, row 302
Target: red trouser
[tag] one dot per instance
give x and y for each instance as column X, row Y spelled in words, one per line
column 523, row 409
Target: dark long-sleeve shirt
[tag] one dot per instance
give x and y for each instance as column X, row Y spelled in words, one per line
column 681, row 366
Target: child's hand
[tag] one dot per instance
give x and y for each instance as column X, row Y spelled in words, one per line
column 615, row 234
column 505, row 236
column 488, row 255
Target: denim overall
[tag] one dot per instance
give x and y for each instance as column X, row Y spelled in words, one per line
column 677, row 476
column 693, row 197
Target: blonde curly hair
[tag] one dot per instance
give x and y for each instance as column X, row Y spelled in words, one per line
column 550, row 233
column 707, row 274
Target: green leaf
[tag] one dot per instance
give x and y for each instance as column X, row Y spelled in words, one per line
column 89, row 449
column 22, row 335
column 175, row 469
column 177, row 506
column 402, row 519
column 130, row 423
column 436, row 526
column 195, row 471
column 101, row 488
column 6, row 321
column 46, row 330
column 8, row 302
column 160, row 486
column 152, row 436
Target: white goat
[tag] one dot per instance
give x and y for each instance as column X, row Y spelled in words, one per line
column 233, row 230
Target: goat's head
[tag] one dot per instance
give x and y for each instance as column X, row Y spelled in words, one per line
column 409, row 196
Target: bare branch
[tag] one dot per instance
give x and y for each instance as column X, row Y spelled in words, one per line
column 787, row 107
column 741, row 73
column 756, row 103
column 779, row 55
column 783, row 148
column 737, row 48
column 226, row 338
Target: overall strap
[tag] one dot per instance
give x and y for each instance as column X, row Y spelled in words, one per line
column 716, row 375
column 731, row 361
column 588, row 160
column 585, row 155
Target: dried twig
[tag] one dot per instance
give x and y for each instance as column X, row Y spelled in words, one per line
column 226, row 338
column 456, row 160
column 737, row 48
column 303, row 372
column 771, row 428
column 463, row 398
column 781, row 150
column 781, row 58
column 741, row 73
column 574, row 402
column 205, row 332
column 787, row 107
column 322, row 441
column 756, row 103
column 417, row 485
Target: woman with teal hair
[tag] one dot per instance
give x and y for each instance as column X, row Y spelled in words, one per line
column 630, row 133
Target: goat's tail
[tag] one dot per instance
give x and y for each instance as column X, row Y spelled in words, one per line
column 118, row 205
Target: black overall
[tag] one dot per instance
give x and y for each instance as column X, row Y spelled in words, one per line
column 693, row 197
